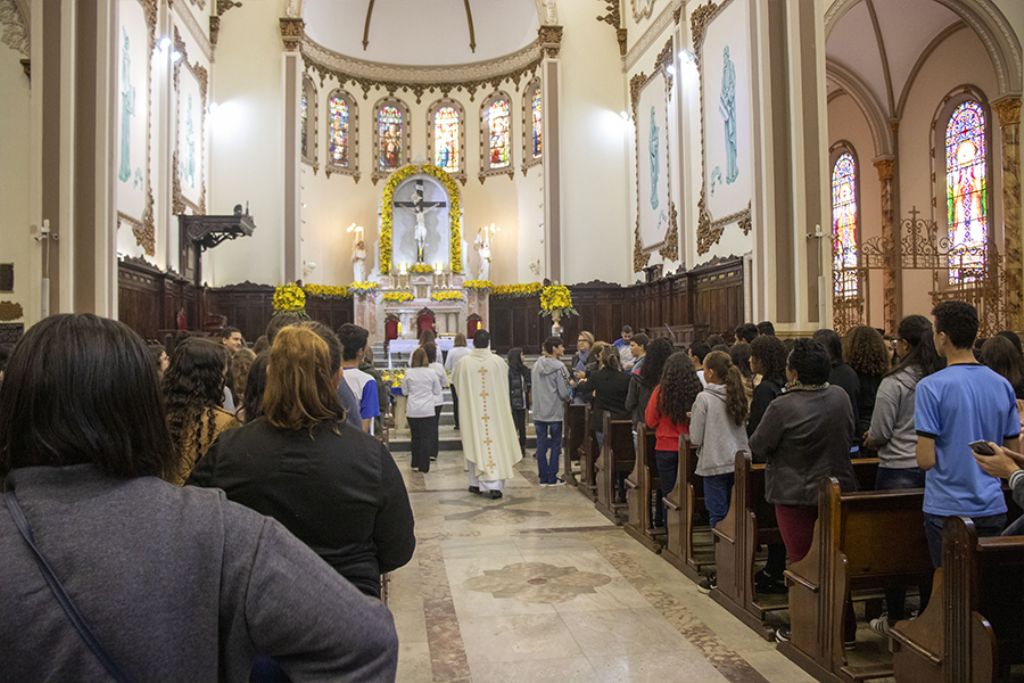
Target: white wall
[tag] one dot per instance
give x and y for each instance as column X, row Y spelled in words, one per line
column 18, row 247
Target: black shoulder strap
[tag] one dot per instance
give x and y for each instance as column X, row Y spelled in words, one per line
column 74, row 616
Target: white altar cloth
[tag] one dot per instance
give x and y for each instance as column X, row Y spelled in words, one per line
column 407, row 346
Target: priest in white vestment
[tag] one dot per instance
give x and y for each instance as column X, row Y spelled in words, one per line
column 489, row 439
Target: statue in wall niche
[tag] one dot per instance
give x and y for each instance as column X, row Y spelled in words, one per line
column 727, row 107
column 654, row 153
column 124, row 171
column 420, row 209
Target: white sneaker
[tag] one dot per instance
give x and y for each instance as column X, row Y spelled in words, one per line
column 558, row 482
column 545, row 485
column 881, row 626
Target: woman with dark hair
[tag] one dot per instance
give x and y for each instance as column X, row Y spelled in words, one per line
column 739, row 353
column 255, row 385
column 867, row 354
column 1001, row 356
column 892, row 432
column 334, row 486
column 241, row 364
column 87, row 484
column 519, row 392
column 422, row 389
column 609, row 386
column 804, row 437
column 841, row 374
column 642, row 383
column 193, row 391
column 668, row 415
column 157, row 352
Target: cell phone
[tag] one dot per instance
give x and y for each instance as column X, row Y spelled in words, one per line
column 981, row 448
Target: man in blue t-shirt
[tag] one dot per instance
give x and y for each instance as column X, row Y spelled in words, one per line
column 354, row 340
column 963, row 403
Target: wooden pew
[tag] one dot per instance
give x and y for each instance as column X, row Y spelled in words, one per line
column 973, row 627
column 862, row 540
column 641, row 485
column 614, row 463
column 573, row 434
column 588, row 452
column 682, row 504
column 749, row 524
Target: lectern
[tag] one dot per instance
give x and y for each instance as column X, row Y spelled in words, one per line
column 199, row 233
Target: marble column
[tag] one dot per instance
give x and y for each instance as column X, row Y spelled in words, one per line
column 550, row 37
column 1008, row 110
column 886, row 167
column 291, row 36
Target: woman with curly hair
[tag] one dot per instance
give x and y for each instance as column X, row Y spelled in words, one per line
column 768, row 359
column 193, row 390
column 668, row 414
column 865, row 351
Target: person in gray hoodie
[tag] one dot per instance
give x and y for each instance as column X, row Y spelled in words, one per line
column 892, row 433
column 550, row 381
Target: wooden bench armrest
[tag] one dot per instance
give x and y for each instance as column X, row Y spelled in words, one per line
column 906, row 642
column 796, row 578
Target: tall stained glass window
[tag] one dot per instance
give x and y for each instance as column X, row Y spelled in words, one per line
column 536, row 124
column 966, row 192
column 304, row 124
column 844, row 226
column 447, row 147
column 338, row 122
column 499, row 135
column 390, row 124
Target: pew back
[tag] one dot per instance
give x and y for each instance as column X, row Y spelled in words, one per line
column 641, row 485
column 683, row 505
column 615, row 461
column 573, row 432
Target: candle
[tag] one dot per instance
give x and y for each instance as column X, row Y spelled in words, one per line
column 399, row 328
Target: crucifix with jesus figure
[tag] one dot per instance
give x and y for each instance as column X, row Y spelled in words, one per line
column 420, row 209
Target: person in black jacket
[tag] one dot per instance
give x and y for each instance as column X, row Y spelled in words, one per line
column 332, row 485
column 519, row 392
column 610, row 386
column 842, row 375
column 643, row 381
column 868, row 355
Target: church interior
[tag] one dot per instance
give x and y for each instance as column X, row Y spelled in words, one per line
column 580, row 169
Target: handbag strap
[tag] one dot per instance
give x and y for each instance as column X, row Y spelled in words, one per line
column 57, row 588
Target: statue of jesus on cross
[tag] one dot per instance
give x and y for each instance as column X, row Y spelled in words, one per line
column 420, row 208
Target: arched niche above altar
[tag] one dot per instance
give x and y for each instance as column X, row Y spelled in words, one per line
column 421, row 219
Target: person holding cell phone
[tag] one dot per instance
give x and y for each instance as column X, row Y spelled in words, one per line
column 1004, row 463
column 955, row 407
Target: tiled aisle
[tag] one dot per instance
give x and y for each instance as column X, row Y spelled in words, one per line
column 538, row 586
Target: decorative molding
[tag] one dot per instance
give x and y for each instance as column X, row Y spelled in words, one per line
column 201, row 4
column 641, row 8
column 178, row 201
column 669, row 246
column 614, row 19
column 224, row 5
column 214, row 31
column 352, row 168
column 529, row 159
column 431, row 153
column 709, row 228
column 10, row 310
column 186, row 17
column 422, row 79
column 1008, row 110
column 144, row 226
column 292, row 32
column 378, row 170
column 14, row 32
column 486, row 170
column 550, row 38
column 654, row 32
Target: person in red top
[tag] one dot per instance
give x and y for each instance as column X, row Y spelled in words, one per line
column 668, row 414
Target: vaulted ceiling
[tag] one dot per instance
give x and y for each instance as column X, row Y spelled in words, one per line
column 881, row 42
column 422, row 32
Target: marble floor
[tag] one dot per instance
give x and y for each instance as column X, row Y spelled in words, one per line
column 539, row 586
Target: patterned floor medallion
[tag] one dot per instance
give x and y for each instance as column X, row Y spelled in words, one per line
column 537, row 582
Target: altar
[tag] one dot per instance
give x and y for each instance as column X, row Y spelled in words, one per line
column 418, row 282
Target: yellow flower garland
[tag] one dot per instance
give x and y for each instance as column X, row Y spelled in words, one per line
column 398, row 297
column 517, row 291
column 421, row 268
column 363, row 288
column 327, row 291
column 447, row 295
column 477, row 284
column 387, row 213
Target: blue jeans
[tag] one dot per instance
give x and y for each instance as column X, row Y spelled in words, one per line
column 909, row 478
column 717, row 492
column 549, row 450
column 985, row 526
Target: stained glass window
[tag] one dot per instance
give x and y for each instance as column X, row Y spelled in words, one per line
column 844, row 226
column 536, row 128
column 389, row 137
column 966, row 192
column 499, row 145
column 304, row 123
column 447, row 151
column 338, row 114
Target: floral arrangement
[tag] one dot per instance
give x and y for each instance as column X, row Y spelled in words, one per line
column 363, row 288
column 387, row 211
column 421, row 268
column 447, row 295
column 398, row 297
column 556, row 299
column 327, row 291
column 477, row 284
column 393, row 378
column 289, row 297
column 517, row 291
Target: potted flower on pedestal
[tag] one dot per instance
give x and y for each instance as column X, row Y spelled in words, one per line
column 556, row 302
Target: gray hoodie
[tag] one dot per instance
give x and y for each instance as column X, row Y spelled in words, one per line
column 550, row 382
column 715, row 434
column 892, row 422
